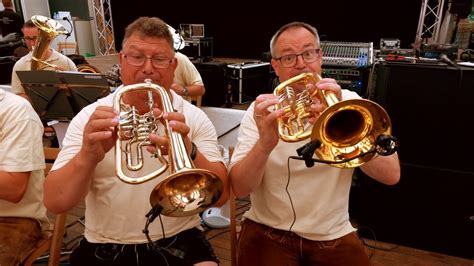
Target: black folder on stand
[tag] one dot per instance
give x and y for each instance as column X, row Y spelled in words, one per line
column 61, row 95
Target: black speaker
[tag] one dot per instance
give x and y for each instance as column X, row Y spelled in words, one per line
column 432, row 206
column 460, row 7
column 214, row 77
column 428, row 105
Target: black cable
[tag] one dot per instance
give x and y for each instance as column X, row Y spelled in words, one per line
column 334, row 162
column 384, row 145
column 374, row 246
column 289, row 195
column 218, row 234
column 365, row 243
column 307, row 151
column 68, row 33
column 70, row 24
column 151, row 216
column 228, row 131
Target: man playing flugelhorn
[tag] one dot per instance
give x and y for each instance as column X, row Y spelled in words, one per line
column 115, row 210
column 299, row 215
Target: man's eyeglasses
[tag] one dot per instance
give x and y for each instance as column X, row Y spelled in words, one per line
column 30, row 39
column 156, row 61
column 309, row 56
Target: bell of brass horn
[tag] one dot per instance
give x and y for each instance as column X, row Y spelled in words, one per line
column 186, row 190
column 346, row 130
column 48, row 30
column 87, row 68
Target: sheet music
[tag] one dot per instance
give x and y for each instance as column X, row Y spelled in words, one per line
column 61, row 95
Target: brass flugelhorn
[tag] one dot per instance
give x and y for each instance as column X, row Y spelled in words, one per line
column 48, row 30
column 346, row 130
column 186, row 190
column 295, row 98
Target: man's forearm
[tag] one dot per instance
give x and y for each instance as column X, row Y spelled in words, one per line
column 385, row 169
column 248, row 173
column 195, row 90
column 13, row 185
column 68, row 185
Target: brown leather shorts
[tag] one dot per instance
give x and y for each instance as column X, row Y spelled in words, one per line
column 18, row 237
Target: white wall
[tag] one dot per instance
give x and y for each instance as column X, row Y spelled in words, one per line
column 35, row 7
column 84, row 37
column 85, row 30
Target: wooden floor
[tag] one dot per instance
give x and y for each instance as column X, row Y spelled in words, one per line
column 384, row 254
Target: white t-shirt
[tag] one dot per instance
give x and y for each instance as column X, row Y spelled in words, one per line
column 21, row 150
column 115, row 211
column 24, row 63
column 186, row 73
column 320, row 194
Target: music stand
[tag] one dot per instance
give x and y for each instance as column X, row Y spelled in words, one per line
column 61, row 95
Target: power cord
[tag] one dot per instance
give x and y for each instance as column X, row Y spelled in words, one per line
column 151, row 216
column 289, row 195
column 216, row 235
column 384, row 145
column 374, row 247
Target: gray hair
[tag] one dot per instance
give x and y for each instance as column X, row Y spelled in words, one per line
column 149, row 27
column 288, row 26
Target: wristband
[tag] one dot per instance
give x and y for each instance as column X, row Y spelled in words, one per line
column 193, row 151
column 185, row 91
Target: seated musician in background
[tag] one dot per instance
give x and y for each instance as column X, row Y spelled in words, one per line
column 115, row 210
column 10, row 21
column 22, row 213
column 187, row 80
column 60, row 61
column 298, row 215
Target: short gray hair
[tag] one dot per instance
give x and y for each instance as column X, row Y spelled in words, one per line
column 149, row 27
column 288, row 26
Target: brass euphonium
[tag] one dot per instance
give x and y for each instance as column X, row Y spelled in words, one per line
column 346, row 130
column 48, row 30
column 187, row 190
